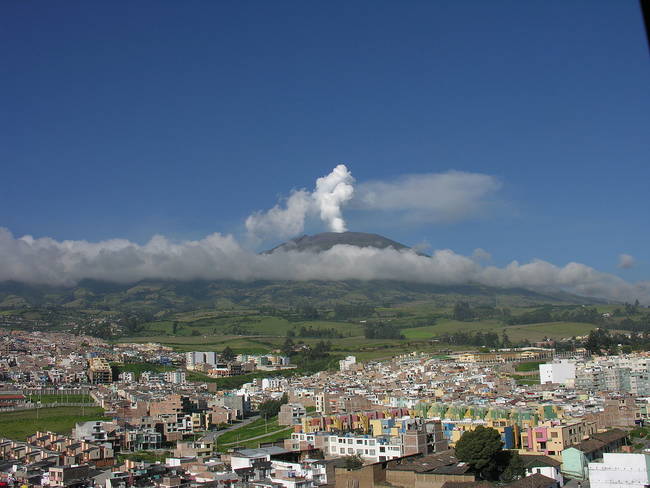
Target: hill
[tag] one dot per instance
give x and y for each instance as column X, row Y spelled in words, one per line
column 326, row 240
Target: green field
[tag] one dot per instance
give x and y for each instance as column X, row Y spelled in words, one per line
column 258, row 431
column 20, row 425
column 213, row 323
column 61, row 398
column 528, row 367
column 531, row 332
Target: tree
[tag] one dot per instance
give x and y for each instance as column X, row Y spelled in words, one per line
column 480, row 448
column 288, row 346
column 514, row 468
column 463, row 312
column 270, row 408
column 352, row 462
column 228, row 354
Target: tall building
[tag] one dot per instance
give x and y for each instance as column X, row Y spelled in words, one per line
column 193, row 359
column 562, row 372
column 99, row 371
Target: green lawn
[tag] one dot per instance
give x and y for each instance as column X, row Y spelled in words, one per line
column 20, row 425
column 61, row 398
column 530, row 366
column 554, row 330
column 259, row 427
column 531, row 332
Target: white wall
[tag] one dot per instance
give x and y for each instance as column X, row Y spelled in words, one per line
column 620, row 470
column 561, row 373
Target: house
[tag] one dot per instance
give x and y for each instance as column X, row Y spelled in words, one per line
column 575, row 459
column 534, row 481
column 540, row 464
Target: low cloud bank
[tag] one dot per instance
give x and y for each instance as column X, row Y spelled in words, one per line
column 217, row 256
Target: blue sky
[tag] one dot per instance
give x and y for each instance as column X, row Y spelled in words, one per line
column 129, row 119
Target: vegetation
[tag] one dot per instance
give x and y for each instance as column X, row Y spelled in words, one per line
column 352, row 462
column 250, row 435
column 529, row 366
column 138, row 368
column 483, row 450
column 271, row 408
column 61, row 398
column 21, row 424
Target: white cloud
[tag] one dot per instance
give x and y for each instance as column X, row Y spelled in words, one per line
column 481, row 255
column 332, row 192
column 625, row 261
column 431, row 197
column 217, row 256
column 281, row 221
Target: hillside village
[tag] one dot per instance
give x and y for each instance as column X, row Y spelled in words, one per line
column 394, row 422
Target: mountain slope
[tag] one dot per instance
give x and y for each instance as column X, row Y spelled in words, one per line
column 327, row 240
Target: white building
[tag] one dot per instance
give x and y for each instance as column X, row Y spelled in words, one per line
column 271, row 383
column 192, row 359
column 176, row 377
column 562, row 372
column 620, row 469
column 369, row 448
column 345, row 364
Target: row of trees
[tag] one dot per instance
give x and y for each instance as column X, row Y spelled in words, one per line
column 602, row 341
column 270, row 408
column 480, row 339
column 317, row 332
column 381, row 331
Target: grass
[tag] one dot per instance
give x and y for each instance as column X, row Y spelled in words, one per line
column 529, row 366
column 527, row 381
column 139, row 368
column 61, row 398
column 554, row 330
column 246, row 436
column 516, row 333
column 217, row 324
column 19, row 425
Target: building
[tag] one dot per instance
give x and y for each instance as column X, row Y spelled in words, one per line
column 345, row 364
column 193, row 359
column 551, row 437
column 560, row 372
column 505, row 355
column 291, row 414
column 544, row 465
column 620, row 470
column 99, row 371
column 576, row 459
